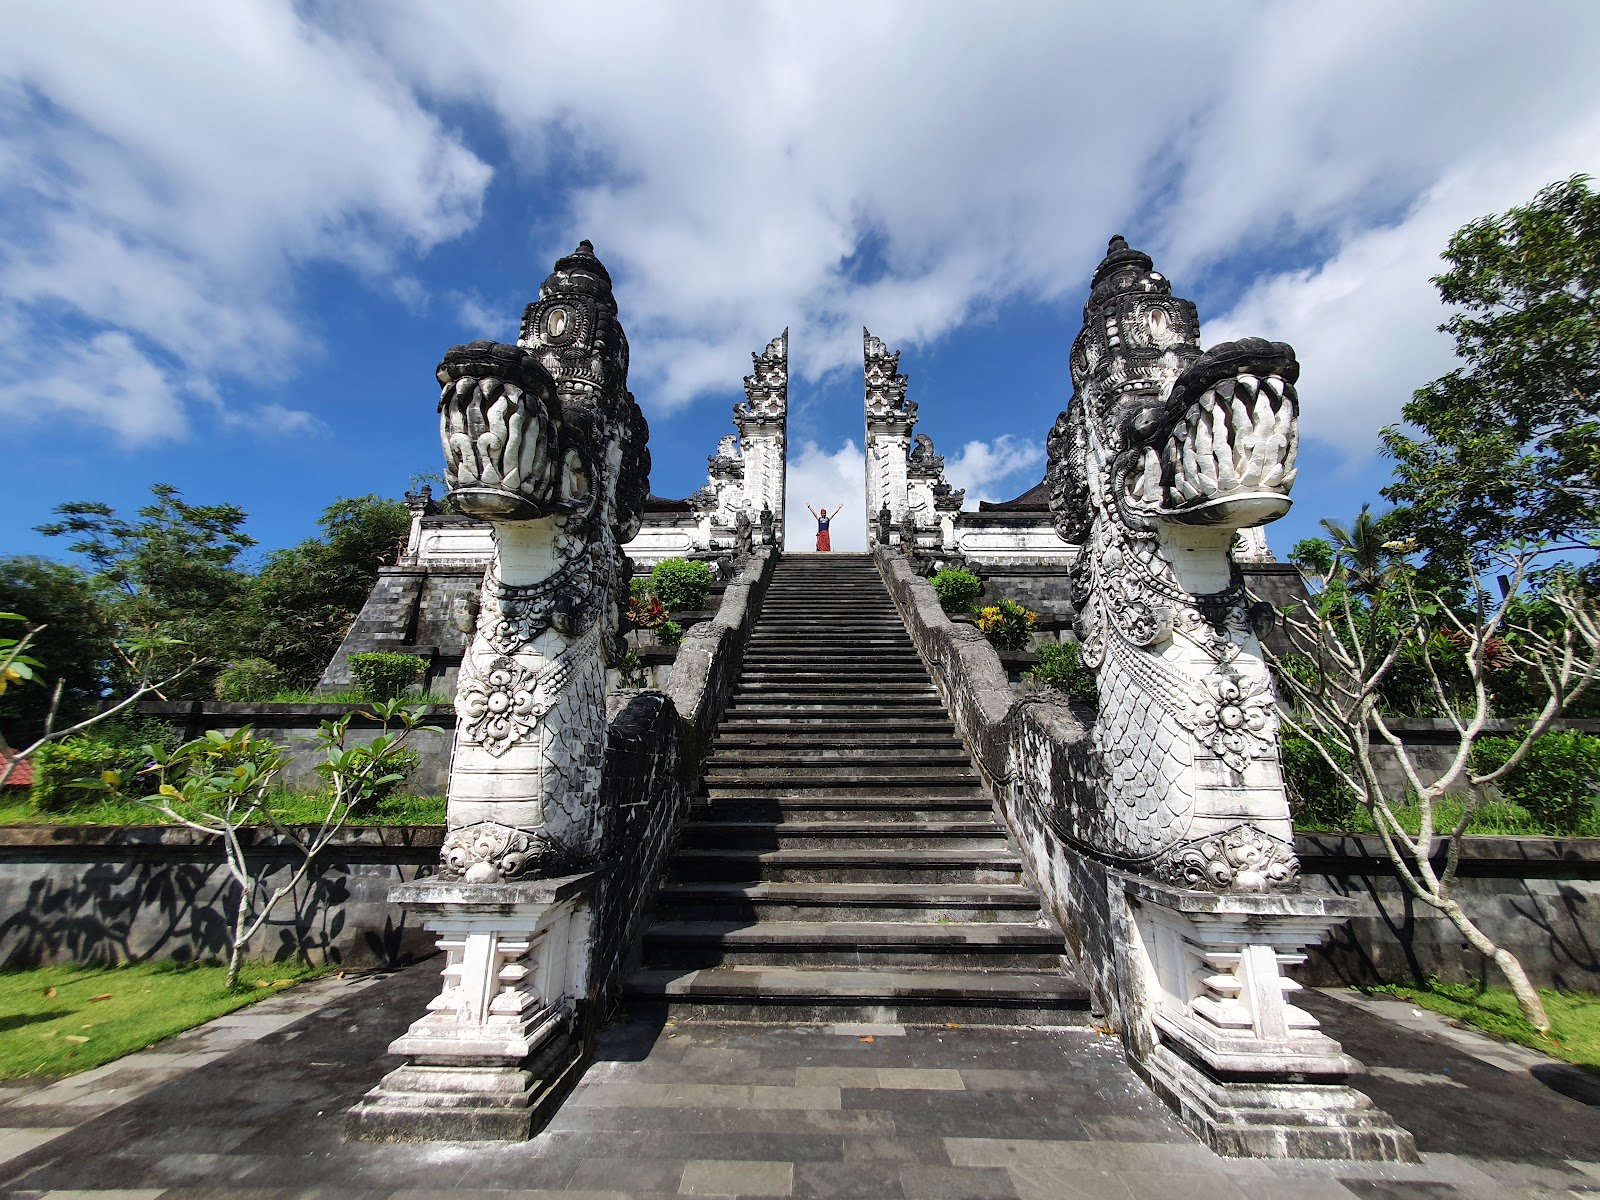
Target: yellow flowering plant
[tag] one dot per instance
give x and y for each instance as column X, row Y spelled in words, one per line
column 1008, row 625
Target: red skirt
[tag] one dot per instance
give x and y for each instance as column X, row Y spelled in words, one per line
column 822, row 540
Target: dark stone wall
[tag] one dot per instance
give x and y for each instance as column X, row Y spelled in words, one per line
column 1538, row 897
column 292, row 725
column 409, row 612
column 109, row 895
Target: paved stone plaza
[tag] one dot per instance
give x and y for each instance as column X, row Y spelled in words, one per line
column 252, row 1106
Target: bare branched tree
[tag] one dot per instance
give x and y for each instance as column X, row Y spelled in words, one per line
column 1349, row 646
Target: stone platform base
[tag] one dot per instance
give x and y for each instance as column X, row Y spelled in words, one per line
column 423, row 1102
column 1276, row 1120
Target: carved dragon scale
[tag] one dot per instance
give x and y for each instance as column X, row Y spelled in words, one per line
column 1162, row 455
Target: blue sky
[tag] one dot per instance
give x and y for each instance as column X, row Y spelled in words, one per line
column 236, row 238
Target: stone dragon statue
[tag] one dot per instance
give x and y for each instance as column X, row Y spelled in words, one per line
column 1162, row 455
column 543, row 440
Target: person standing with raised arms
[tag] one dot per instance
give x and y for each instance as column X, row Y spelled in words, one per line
column 823, row 520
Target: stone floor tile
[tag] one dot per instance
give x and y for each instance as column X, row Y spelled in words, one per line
column 926, row 1151
column 841, row 1077
column 1057, row 1183
column 1281, row 1188
column 1082, row 1156
column 957, row 1183
column 923, row 1080
column 710, row 1176
column 704, row 1095
column 847, row 1181
column 626, row 1175
column 864, row 1122
column 15, row 1142
column 1192, row 1185
column 982, row 1079
column 105, row 1194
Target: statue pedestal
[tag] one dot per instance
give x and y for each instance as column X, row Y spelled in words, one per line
column 496, row 1049
column 1210, row 1026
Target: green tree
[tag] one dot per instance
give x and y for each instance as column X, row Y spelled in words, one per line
column 171, row 576
column 1511, row 438
column 302, row 603
column 74, row 643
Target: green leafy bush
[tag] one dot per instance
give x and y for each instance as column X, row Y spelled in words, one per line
column 57, row 765
column 670, row 633
column 1061, row 668
column 384, row 675
column 1557, row 781
column 399, row 763
column 247, row 680
column 116, row 745
column 958, row 589
column 631, row 667
column 639, row 586
column 1007, row 624
column 680, row 584
column 1318, row 798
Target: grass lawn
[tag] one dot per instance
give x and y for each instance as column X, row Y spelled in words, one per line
column 61, row 1020
column 1574, row 1017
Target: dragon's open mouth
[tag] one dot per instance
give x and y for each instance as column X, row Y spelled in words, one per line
column 1228, row 457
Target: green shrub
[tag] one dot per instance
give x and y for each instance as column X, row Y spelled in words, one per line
column 1008, row 625
column 401, row 762
column 58, row 765
column 1061, row 668
column 1318, row 798
column 115, row 745
column 639, row 586
column 1556, row 782
column 680, row 584
column 670, row 633
column 247, row 681
column 957, row 589
column 384, row 675
column 631, row 667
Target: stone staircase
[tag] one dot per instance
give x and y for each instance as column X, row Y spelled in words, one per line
column 844, row 863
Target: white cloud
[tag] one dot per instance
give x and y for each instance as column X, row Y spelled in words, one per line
column 836, row 481
column 742, row 166
column 746, row 165
column 982, row 467
column 1364, row 323
column 169, row 167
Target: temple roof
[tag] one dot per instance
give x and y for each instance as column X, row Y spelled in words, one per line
column 1035, row 499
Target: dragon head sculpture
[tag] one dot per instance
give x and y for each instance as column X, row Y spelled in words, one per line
column 543, row 440
column 1163, row 454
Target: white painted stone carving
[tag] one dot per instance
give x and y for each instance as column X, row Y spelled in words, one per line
column 544, row 442
column 904, row 474
column 1162, row 456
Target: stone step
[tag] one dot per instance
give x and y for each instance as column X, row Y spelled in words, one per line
column 799, row 789
column 799, row 778
column 848, row 902
column 890, row 836
column 843, row 808
column 900, row 712
column 840, row 756
column 813, row 944
column 892, row 997
column 845, row 866
column 834, row 686
column 843, row 738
